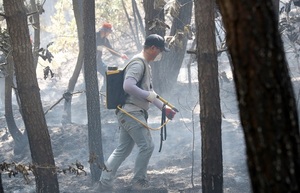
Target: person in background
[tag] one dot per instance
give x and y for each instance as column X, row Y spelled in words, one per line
column 102, row 42
column 137, row 103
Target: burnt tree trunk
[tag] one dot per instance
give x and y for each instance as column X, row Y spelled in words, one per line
column 1, row 186
column 35, row 18
column 265, row 95
column 78, row 13
column 92, row 91
column 19, row 139
column 209, row 92
column 31, row 105
column 150, row 15
column 165, row 72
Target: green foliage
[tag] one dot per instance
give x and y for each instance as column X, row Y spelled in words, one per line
column 64, row 29
column 109, row 10
column 112, row 11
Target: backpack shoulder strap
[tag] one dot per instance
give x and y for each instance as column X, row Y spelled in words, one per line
column 133, row 60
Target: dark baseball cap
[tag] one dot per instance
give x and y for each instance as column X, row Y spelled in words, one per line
column 157, row 41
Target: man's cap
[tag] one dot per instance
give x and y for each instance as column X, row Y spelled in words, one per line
column 106, row 27
column 157, row 41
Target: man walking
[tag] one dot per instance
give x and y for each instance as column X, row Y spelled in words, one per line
column 137, row 103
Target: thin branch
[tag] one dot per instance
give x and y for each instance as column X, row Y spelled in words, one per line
column 65, row 95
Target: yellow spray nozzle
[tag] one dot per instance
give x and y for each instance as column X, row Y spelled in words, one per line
column 167, row 103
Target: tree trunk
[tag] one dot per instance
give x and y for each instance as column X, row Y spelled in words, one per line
column 78, row 13
column 276, row 8
column 36, row 29
column 140, row 21
column 265, row 95
column 19, row 139
column 92, row 90
column 135, row 35
column 1, row 186
column 209, row 92
column 166, row 72
column 150, row 15
column 34, row 119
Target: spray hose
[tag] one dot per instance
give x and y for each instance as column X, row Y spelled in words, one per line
column 164, row 120
column 145, row 125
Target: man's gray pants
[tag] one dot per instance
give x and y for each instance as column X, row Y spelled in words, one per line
column 131, row 133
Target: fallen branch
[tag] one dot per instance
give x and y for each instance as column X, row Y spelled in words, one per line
column 66, row 96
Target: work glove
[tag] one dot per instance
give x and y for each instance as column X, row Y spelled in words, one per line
column 152, row 96
column 124, row 57
column 100, row 48
column 169, row 112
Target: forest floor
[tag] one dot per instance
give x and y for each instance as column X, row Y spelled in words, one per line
column 177, row 168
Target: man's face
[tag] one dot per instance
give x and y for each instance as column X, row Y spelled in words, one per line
column 155, row 51
column 152, row 52
column 105, row 33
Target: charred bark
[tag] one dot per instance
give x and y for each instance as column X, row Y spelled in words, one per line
column 92, row 91
column 209, row 92
column 265, row 95
column 31, row 105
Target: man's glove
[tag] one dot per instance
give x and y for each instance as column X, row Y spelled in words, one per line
column 152, row 96
column 100, row 48
column 124, row 57
column 169, row 113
